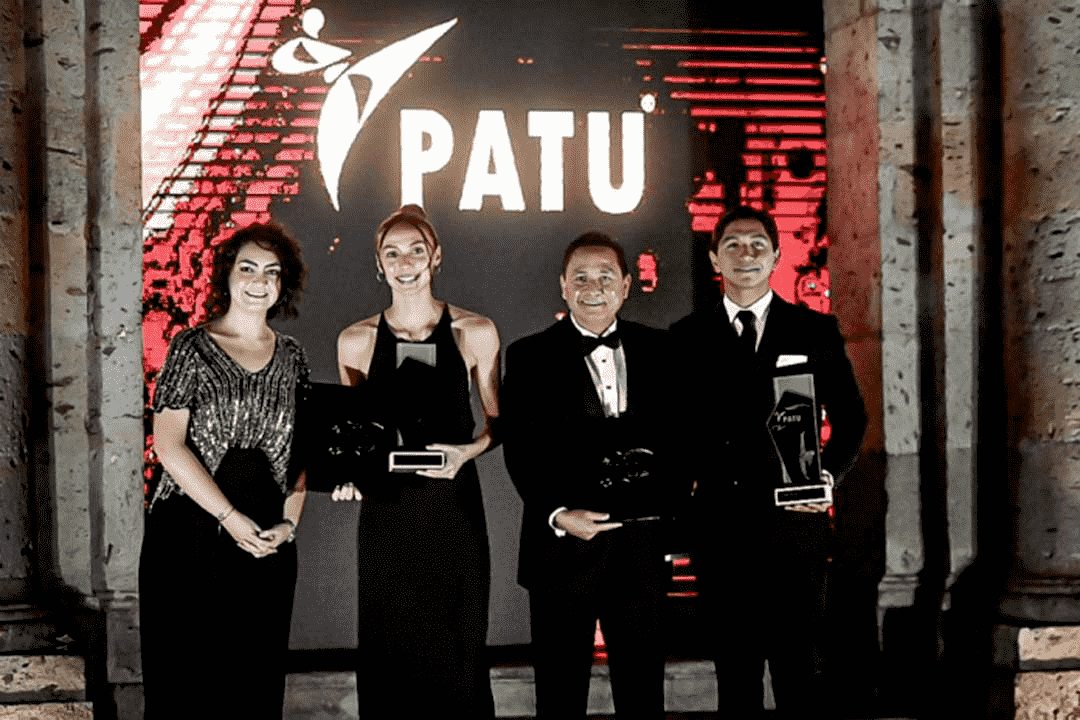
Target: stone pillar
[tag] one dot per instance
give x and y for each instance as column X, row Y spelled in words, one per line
column 964, row 246
column 15, row 541
column 115, row 253
column 873, row 258
column 1042, row 316
column 85, row 240
column 874, row 539
column 905, row 224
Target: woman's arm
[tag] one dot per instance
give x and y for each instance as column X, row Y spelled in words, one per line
column 355, row 348
column 170, row 434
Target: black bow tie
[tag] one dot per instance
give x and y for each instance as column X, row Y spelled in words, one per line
column 588, row 344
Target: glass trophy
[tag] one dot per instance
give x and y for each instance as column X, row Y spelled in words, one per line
column 416, row 358
column 793, row 427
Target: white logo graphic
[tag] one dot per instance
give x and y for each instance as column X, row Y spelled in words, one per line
column 341, row 117
column 427, row 138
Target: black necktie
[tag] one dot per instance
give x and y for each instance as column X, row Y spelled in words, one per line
column 748, row 339
column 588, row 344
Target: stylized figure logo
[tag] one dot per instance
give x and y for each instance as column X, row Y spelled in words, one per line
column 343, row 116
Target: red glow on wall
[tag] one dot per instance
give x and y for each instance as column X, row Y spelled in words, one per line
column 757, row 112
column 723, row 80
column 648, row 265
column 748, row 64
column 782, row 81
column 747, row 96
column 717, row 31
column 781, row 49
column 785, row 129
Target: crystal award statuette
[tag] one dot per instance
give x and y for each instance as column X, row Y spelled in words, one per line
column 793, row 427
column 418, row 360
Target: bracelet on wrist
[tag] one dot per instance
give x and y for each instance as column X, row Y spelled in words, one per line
column 292, row 529
column 224, row 514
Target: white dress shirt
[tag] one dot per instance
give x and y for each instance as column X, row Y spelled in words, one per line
column 760, row 308
column 607, row 366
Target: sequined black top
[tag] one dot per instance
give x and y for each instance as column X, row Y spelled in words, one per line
column 230, row 406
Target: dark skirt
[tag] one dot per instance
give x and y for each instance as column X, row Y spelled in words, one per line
column 214, row 619
column 423, row 598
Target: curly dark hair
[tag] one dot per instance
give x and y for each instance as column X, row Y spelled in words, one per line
column 268, row 237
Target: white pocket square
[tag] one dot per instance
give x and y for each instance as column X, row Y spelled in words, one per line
column 785, row 360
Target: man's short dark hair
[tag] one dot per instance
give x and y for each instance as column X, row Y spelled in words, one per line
column 268, row 237
column 595, row 239
column 745, row 212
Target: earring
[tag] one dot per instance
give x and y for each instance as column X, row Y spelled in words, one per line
column 437, row 270
column 379, row 275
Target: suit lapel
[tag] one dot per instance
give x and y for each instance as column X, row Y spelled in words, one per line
column 775, row 327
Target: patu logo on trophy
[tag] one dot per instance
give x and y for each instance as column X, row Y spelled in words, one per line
column 793, row 427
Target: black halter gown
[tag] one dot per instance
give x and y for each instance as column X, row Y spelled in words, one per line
column 423, row 552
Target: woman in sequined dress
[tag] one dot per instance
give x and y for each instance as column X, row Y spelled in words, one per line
column 218, row 569
column 423, row 549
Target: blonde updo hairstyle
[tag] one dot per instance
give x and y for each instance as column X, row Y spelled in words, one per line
column 415, row 216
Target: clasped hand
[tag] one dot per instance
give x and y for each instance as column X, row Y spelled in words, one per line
column 251, row 538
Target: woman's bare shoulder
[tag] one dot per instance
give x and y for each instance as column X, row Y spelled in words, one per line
column 477, row 330
column 361, row 330
column 467, row 319
column 359, row 336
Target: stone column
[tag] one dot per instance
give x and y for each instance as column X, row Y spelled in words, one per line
column 964, row 246
column 1041, row 178
column 114, row 242
column 84, row 235
column 15, row 541
column 1041, row 328
column 873, row 259
column 905, row 225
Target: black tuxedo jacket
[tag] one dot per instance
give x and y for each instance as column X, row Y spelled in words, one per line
column 730, row 394
column 554, row 426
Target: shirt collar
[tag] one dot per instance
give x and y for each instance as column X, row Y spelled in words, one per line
column 589, row 333
column 760, row 307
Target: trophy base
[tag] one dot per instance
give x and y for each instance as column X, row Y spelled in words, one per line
column 410, row 461
column 803, row 494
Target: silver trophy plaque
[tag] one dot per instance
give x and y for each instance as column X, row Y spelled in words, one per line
column 412, row 460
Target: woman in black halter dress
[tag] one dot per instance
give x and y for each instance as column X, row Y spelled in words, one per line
column 424, row 568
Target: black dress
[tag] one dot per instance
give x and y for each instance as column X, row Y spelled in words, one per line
column 424, row 569
column 214, row 619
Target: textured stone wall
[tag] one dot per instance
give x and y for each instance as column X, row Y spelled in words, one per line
column 83, row 67
column 71, row 336
column 1041, row 176
column 15, row 566
column 965, row 242
column 874, row 258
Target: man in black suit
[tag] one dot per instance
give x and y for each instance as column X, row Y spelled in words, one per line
column 761, row 568
column 585, row 407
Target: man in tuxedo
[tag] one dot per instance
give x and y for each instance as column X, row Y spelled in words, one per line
column 585, row 407
column 760, row 567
